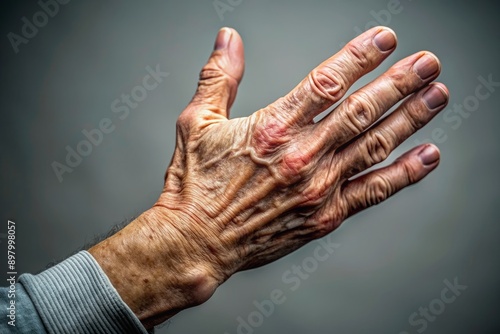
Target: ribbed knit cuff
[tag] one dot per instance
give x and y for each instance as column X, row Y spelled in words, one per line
column 76, row 296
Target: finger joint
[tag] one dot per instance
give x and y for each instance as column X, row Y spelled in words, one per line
column 269, row 134
column 358, row 54
column 378, row 190
column 295, row 164
column 360, row 112
column 327, row 83
column 378, row 146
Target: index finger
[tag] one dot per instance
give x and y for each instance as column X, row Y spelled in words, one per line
column 329, row 82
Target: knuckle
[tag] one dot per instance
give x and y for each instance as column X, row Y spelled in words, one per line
column 327, row 221
column 190, row 119
column 325, row 225
column 378, row 146
column 269, row 134
column 183, row 121
column 399, row 84
column 211, row 80
column 360, row 112
column 410, row 173
column 414, row 115
column 315, row 194
column 358, row 55
column 378, row 190
column 210, row 74
column 327, row 83
column 295, row 164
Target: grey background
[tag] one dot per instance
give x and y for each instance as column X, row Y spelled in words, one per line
column 392, row 259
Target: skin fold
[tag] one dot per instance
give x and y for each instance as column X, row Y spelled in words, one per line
column 241, row 193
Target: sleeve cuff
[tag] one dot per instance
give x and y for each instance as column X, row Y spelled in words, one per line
column 76, row 296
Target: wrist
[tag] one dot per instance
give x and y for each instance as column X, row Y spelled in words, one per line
column 154, row 268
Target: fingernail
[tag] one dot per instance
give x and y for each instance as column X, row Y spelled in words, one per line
column 385, row 40
column 429, row 155
column 434, row 98
column 426, row 67
column 223, row 38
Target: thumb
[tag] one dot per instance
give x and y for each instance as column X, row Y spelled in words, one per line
column 220, row 77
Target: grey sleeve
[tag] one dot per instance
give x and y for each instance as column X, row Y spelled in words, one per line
column 76, row 296
column 17, row 312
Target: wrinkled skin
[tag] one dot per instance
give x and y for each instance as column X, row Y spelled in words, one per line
column 241, row 193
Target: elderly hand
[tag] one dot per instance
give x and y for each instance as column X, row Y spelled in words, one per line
column 243, row 192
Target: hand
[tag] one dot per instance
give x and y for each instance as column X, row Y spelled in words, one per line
column 244, row 192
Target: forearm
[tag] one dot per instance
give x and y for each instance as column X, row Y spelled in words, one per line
column 148, row 264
